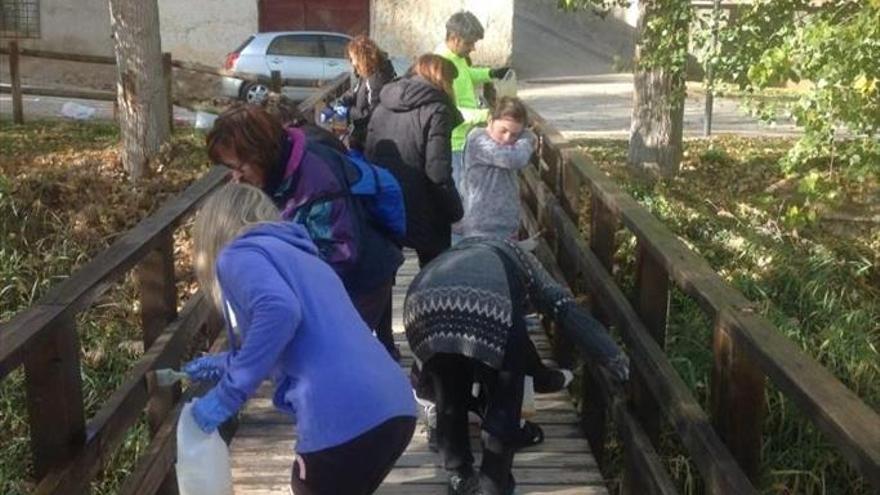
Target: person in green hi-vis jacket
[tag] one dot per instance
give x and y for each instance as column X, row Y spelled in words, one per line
column 463, row 30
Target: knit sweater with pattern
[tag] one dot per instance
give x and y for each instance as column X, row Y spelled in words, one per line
column 462, row 303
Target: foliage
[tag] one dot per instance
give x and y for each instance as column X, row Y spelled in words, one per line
column 664, row 42
column 63, row 198
column 833, row 49
column 817, row 281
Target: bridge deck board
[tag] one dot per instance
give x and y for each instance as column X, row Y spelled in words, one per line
column 262, row 450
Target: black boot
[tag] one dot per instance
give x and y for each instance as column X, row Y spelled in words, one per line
column 495, row 475
column 465, row 482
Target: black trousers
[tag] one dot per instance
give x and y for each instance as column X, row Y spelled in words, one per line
column 356, row 467
column 452, row 377
column 374, row 306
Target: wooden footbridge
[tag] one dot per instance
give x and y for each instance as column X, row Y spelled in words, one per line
column 724, row 443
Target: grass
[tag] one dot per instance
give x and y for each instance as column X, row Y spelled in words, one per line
column 764, row 228
column 63, row 197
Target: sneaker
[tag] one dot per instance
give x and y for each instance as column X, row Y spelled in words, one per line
column 549, row 381
column 464, row 484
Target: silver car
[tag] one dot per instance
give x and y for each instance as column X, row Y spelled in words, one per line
column 310, row 58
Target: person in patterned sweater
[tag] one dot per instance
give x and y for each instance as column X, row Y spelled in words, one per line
column 465, row 322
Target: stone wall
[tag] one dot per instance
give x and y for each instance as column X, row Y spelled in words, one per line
column 406, row 28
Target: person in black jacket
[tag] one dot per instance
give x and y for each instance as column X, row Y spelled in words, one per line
column 409, row 133
column 374, row 70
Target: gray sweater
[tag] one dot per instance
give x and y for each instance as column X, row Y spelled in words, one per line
column 489, row 187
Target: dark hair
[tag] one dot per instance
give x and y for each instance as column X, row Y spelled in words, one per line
column 436, row 70
column 250, row 132
column 510, row 107
column 367, row 53
column 465, row 25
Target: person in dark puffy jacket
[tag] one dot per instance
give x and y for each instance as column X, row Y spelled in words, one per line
column 409, row 133
column 374, row 70
column 308, row 181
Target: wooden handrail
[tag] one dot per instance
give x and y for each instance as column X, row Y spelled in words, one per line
column 92, row 280
column 639, row 450
column 86, row 94
column 67, row 57
column 671, row 393
column 123, row 408
column 750, row 345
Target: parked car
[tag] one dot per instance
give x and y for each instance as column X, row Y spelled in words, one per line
column 308, row 57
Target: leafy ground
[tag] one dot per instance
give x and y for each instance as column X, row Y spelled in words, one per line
column 803, row 241
column 63, row 197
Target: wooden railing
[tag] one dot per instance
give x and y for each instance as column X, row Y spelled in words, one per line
column 274, row 81
column 724, row 443
column 68, row 449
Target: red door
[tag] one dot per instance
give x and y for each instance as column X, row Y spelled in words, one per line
column 343, row 16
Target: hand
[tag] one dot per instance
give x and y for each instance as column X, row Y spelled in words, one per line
column 208, row 368
column 208, row 413
column 499, row 73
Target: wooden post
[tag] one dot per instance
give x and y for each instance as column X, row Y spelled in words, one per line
column 603, row 225
column 54, row 397
column 651, row 301
column 738, row 400
column 158, row 298
column 15, row 83
column 167, row 73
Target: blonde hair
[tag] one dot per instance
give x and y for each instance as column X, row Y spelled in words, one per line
column 226, row 214
column 437, row 71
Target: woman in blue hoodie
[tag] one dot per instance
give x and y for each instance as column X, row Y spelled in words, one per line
column 352, row 405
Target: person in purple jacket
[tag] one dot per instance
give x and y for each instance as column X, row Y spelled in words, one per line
column 308, row 179
column 352, row 405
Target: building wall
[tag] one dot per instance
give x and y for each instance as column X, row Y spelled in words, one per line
column 407, row 29
column 205, row 30
column 195, row 30
column 81, row 27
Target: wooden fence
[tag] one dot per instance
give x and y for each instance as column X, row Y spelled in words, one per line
column 274, row 81
column 724, row 443
column 68, row 449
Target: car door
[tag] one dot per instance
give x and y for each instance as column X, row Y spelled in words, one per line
column 335, row 56
column 298, row 57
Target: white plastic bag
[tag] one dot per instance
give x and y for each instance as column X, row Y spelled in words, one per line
column 205, row 120
column 77, row 111
column 202, row 459
column 506, row 86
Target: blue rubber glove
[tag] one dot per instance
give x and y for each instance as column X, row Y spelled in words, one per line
column 209, row 412
column 208, row 368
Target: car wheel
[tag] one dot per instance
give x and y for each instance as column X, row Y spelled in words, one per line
column 255, row 93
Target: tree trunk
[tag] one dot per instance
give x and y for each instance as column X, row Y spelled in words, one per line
column 141, row 93
column 655, row 143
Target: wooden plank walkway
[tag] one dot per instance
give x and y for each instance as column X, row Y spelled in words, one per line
column 262, row 450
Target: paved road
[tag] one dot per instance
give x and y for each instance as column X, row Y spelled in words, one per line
column 598, row 106
column 564, row 62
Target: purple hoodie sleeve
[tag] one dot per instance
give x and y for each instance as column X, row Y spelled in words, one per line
column 271, row 316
